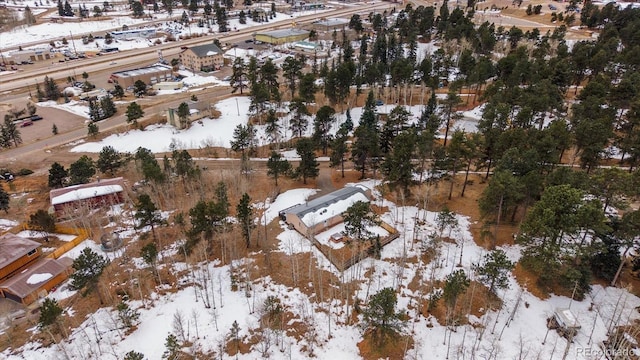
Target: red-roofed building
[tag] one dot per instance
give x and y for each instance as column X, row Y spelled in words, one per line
column 67, row 200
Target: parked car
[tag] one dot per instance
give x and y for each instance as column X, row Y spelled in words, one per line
column 379, row 103
column 36, row 117
column 26, row 123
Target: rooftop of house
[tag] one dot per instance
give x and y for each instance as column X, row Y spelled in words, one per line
column 206, row 50
column 13, row 247
column 86, row 191
column 33, row 277
column 329, row 205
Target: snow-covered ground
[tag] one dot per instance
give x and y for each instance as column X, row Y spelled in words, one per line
column 40, row 234
column 219, row 132
column 515, row 331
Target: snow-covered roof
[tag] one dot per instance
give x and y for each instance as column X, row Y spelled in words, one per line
column 86, row 193
column 13, row 247
column 205, row 50
column 329, row 205
column 332, row 22
column 567, row 319
column 32, row 278
column 155, row 68
column 283, row 33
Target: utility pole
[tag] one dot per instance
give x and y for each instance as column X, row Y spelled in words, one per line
column 74, row 44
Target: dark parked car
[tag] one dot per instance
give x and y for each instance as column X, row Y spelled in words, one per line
column 36, row 117
column 26, row 123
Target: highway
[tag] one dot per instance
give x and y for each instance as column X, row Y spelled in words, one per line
column 21, row 80
column 17, row 83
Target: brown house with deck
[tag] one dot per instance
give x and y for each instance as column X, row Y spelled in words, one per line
column 16, row 253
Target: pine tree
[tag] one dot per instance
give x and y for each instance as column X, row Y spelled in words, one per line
column 107, row 106
column 43, row 222
column 139, row 88
column 10, row 132
column 118, row 91
column 172, row 346
column 92, row 129
column 133, row 355
column 277, row 165
column 455, row 284
column 321, row 127
column 183, row 114
column 184, row 165
column 29, row 18
column 49, row 313
column 60, row 8
column 87, row 270
column 109, row 160
column 308, row 166
column 68, row 11
column 54, row 129
column 193, row 6
column 147, row 214
column 57, row 176
column 358, row 218
column 494, row 270
column 239, row 72
column 339, row 147
column 133, row 113
column 95, row 112
column 244, row 212
column 398, row 166
column 4, row 200
column 380, row 317
column 128, row 316
column 298, row 123
column 81, row 171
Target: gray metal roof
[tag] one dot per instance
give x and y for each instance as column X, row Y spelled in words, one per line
column 324, row 201
column 205, row 50
column 24, row 284
column 332, row 22
column 155, row 68
column 283, row 33
column 13, row 247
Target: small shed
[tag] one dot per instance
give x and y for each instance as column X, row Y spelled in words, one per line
column 566, row 319
column 16, row 253
column 37, row 280
column 92, row 195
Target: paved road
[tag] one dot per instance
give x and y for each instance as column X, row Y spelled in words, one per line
column 30, row 77
column 18, row 83
column 157, row 106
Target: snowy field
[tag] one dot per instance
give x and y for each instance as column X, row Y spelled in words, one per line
column 516, row 331
column 219, row 132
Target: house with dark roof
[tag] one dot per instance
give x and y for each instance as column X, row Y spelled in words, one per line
column 16, row 253
column 325, row 211
column 37, row 280
column 206, row 57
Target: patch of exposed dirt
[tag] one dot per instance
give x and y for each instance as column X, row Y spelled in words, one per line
column 392, row 348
